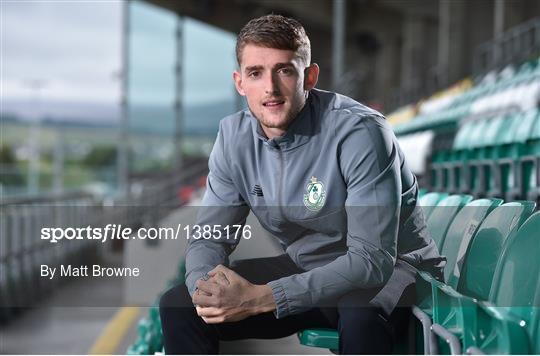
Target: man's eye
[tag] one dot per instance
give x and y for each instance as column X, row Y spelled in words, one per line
column 286, row 71
column 254, row 74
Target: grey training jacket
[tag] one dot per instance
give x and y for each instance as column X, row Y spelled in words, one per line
column 336, row 192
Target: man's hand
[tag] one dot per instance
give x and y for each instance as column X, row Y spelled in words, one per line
column 227, row 297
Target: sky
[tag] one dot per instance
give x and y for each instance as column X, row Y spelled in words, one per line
column 72, row 50
column 72, row 47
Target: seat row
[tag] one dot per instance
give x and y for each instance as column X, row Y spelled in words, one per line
column 510, row 89
column 492, row 157
column 489, row 299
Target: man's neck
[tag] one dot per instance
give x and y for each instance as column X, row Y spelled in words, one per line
column 272, row 132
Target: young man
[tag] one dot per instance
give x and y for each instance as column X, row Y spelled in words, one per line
column 324, row 175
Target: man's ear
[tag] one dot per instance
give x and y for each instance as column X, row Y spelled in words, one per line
column 311, row 76
column 237, row 77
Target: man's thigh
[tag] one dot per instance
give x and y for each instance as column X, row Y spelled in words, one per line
column 265, row 325
column 265, row 269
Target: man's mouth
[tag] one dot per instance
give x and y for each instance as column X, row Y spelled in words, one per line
column 273, row 103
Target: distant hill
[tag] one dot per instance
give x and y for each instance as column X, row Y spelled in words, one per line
column 197, row 119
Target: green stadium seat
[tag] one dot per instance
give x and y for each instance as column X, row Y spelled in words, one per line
column 462, row 155
column 454, row 244
column 323, row 338
column 536, row 335
column 460, row 234
column 450, row 303
column 441, row 217
column 508, row 324
column 439, row 175
column 437, row 223
column 508, row 153
column 530, row 161
column 327, row 338
column 477, row 174
column 490, row 172
column 429, row 201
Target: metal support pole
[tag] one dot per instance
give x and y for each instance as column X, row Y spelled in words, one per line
column 123, row 142
column 179, row 95
column 58, row 178
column 443, row 65
column 338, row 42
column 498, row 30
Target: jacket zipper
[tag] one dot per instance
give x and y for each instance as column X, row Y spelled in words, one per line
column 280, row 184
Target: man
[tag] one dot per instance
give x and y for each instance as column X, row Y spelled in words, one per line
column 324, row 175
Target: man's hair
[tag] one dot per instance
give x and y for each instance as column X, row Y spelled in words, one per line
column 275, row 31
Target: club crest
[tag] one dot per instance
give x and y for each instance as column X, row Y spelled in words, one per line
column 315, row 195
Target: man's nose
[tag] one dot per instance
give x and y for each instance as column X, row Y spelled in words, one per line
column 271, row 84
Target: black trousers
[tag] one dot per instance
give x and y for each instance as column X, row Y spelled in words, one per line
column 362, row 329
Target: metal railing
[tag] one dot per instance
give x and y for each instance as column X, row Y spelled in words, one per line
column 517, row 45
column 22, row 251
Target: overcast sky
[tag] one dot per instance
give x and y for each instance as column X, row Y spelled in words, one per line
column 73, row 47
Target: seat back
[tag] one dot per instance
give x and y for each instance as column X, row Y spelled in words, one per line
column 443, row 214
column 429, row 201
column 486, row 247
column 460, row 234
column 536, row 330
column 461, row 140
column 516, row 284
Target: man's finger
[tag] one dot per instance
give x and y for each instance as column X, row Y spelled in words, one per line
column 213, row 320
column 220, row 278
column 208, row 312
column 204, row 300
column 218, row 268
column 208, row 287
column 228, row 273
column 198, row 291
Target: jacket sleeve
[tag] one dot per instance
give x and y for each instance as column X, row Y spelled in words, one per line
column 370, row 167
column 222, row 206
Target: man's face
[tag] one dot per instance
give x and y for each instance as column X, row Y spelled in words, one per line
column 273, row 82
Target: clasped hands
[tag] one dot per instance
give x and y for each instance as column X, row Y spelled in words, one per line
column 225, row 297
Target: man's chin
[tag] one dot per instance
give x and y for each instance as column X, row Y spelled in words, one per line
column 276, row 124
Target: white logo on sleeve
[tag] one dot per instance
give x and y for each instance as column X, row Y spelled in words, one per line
column 315, row 195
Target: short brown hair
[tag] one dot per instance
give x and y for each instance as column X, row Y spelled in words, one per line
column 275, row 31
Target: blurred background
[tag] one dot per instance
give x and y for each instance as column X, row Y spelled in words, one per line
column 109, row 110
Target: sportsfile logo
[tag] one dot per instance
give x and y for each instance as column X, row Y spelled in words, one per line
column 110, row 231
column 118, row 232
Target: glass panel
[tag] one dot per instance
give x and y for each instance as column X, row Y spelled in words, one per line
column 151, row 88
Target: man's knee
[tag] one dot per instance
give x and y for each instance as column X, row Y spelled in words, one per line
column 362, row 318
column 364, row 331
column 176, row 297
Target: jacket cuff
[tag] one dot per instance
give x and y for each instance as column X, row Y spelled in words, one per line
column 191, row 280
column 282, row 304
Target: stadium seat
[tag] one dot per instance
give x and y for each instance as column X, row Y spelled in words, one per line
column 476, row 166
column 490, row 169
column 438, row 223
column 439, row 175
column 442, row 216
column 474, row 281
column 508, row 154
column 323, row 338
column 429, row 201
column 530, row 162
column 454, row 245
column 509, row 324
column 462, row 155
column 517, row 155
